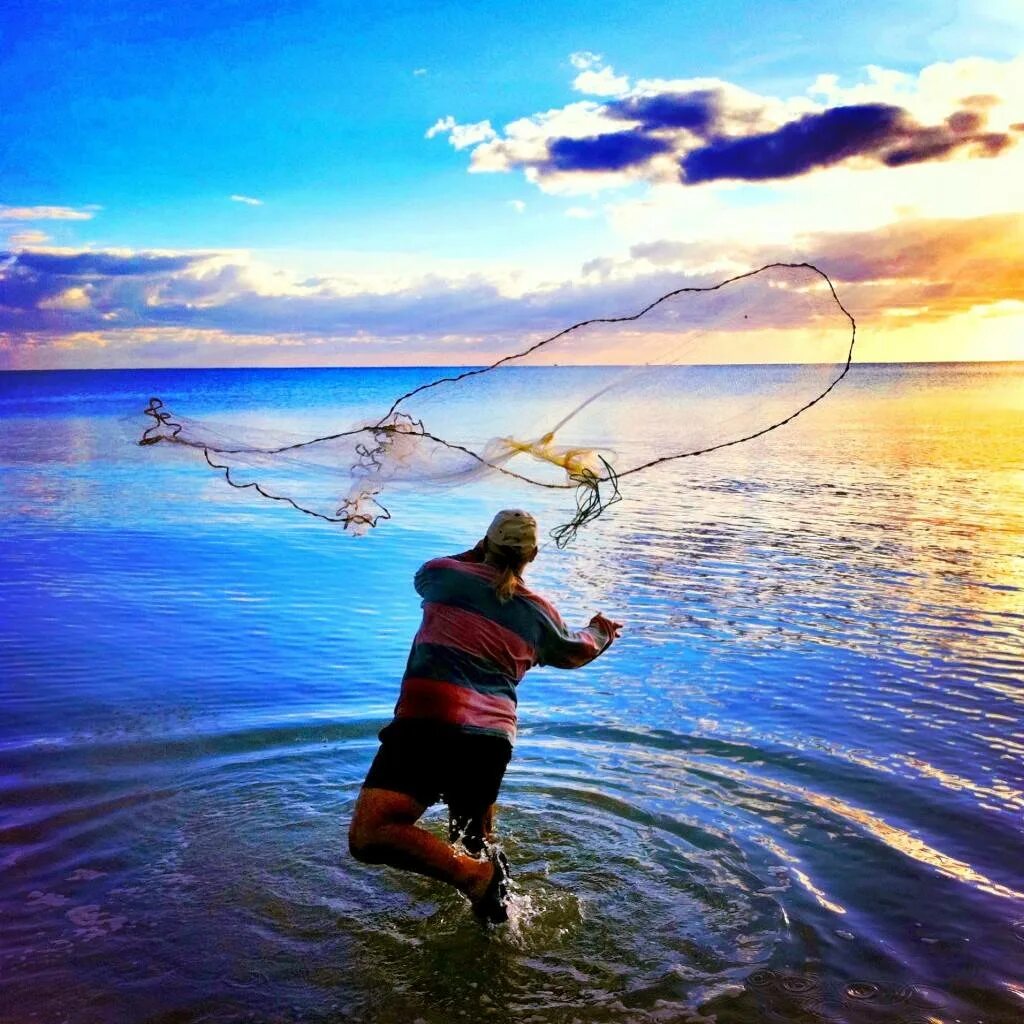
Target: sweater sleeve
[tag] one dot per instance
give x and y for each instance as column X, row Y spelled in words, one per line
column 433, row 579
column 562, row 647
column 425, row 580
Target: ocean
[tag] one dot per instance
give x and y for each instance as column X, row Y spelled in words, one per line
column 791, row 792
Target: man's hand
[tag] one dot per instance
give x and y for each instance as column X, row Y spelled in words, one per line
column 609, row 626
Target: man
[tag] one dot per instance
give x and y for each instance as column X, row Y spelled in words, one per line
column 455, row 721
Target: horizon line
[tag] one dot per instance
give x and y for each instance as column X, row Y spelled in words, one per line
column 474, row 366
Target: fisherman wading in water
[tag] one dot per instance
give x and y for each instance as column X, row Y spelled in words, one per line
column 455, row 721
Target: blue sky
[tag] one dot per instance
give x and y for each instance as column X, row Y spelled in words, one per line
column 146, row 118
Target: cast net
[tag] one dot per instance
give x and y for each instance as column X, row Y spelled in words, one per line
column 584, row 410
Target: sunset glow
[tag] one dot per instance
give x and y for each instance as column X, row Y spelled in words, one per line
column 417, row 203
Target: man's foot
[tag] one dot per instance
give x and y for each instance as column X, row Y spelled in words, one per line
column 490, row 906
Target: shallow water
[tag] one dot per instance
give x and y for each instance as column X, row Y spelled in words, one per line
column 792, row 792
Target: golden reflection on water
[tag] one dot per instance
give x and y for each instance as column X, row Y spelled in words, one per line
column 919, row 474
column 999, row 791
column 893, row 837
column 802, row 877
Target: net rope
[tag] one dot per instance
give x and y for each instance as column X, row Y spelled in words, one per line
column 384, row 449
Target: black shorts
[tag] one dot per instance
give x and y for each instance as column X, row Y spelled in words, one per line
column 432, row 761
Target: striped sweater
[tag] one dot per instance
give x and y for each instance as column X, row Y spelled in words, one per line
column 471, row 650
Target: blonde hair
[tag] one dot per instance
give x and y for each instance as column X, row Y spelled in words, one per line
column 510, row 563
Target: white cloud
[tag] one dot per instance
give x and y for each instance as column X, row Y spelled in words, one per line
column 47, row 212
column 517, row 204
column 838, row 196
column 580, row 213
column 71, row 300
column 247, row 200
column 526, row 141
column 138, row 308
column 938, row 89
column 462, row 136
column 601, row 83
column 583, row 60
column 739, row 215
column 28, row 238
column 419, row 72
column 442, row 124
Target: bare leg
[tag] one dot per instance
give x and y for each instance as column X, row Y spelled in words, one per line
column 384, row 831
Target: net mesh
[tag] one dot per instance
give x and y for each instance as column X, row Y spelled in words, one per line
column 702, row 368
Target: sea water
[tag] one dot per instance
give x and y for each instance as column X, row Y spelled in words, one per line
column 791, row 792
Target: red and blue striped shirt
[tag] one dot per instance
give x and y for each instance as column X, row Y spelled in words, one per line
column 472, row 650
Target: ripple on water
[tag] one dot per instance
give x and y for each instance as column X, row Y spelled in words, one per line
column 791, row 793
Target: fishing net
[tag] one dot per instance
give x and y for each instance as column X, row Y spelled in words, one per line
column 700, row 369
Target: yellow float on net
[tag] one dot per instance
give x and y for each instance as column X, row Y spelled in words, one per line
column 576, row 462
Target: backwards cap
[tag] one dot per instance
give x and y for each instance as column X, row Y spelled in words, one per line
column 513, row 528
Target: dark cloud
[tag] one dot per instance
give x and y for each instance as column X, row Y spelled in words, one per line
column 612, row 152
column 102, row 264
column 965, row 121
column 731, row 147
column 31, row 283
column 222, row 299
column 877, row 131
column 814, row 140
column 23, row 289
column 696, row 111
column 960, row 129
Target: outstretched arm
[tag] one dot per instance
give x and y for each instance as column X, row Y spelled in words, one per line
column 562, row 647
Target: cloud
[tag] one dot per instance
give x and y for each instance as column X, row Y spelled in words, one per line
column 525, row 141
column 874, row 131
column 612, row 152
column 70, row 299
column 461, row 135
column 584, row 60
column 912, row 273
column 48, row 212
column 596, row 78
column 931, row 268
column 699, row 131
column 601, row 82
column 517, row 204
column 419, row 72
column 441, row 125
column 114, row 296
column 697, row 110
column 102, row 264
column 28, row 237
column 49, row 291
column 247, row 200
column 878, row 133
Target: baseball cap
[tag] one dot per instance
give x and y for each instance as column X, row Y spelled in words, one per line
column 513, row 528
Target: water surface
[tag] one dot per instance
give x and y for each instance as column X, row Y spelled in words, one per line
column 792, row 792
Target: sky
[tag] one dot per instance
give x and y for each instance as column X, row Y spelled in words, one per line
column 326, row 183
